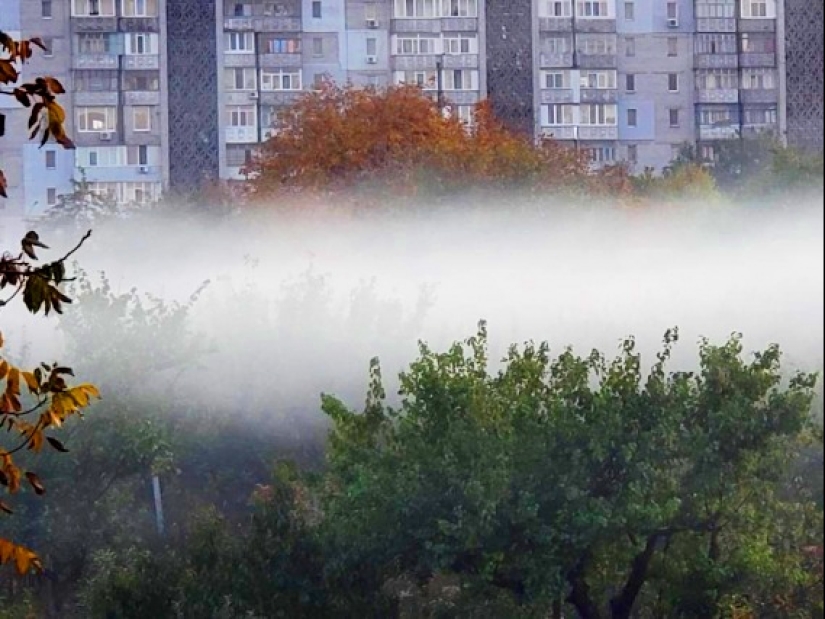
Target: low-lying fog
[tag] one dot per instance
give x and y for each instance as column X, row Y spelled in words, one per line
column 299, row 306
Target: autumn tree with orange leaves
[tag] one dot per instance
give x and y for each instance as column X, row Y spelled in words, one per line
column 34, row 402
column 344, row 137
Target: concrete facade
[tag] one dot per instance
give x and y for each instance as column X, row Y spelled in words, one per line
column 169, row 93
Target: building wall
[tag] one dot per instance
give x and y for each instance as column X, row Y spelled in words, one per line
column 803, row 41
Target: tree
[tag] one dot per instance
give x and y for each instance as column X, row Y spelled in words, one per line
column 575, row 478
column 51, row 401
column 348, row 137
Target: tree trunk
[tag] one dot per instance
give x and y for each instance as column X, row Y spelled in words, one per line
column 622, row 605
column 579, row 595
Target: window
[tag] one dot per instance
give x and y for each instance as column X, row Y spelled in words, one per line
column 598, row 114
column 716, row 116
column 717, row 79
column 51, row 196
column 141, row 118
column 316, row 9
column 138, row 80
column 51, row 159
column 141, row 44
column 317, row 46
column 632, row 117
column 672, row 10
column 556, row 79
column 140, row 8
column 370, row 12
column 96, row 119
column 460, row 79
column 760, row 116
column 715, row 9
column 284, row 79
column 424, row 79
column 557, row 115
column 460, row 44
column 137, row 155
column 592, row 8
column 758, row 43
column 555, row 8
column 673, row 117
column 632, row 153
column 596, row 45
column 629, row 11
column 600, row 154
column 755, row 8
column 435, row 8
column 715, row 43
column 707, row 152
column 318, row 80
column 629, row 46
column 238, row 156
column 672, row 46
column 239, row 79
column 281, row 45
column 557, row 45
column 49, row 45
column 239, row 42
column 93, row 43
column 598, row 79
column 241, row 116
column 95, row 81
column 238, row 9
column 93, row 8
column 673, row 82
column 758, row 79
column 413, row 46
column 630, row 82
column 372, row 46
column 46, row 9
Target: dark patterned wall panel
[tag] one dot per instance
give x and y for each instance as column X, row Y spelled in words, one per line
column 804, row 58
column 510, row 62
column 193, row 93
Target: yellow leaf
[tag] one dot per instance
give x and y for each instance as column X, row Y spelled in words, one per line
column 90, row 389
column 13, row 382
column 4, row 369
column 31, row 382
column 6, row 551
column 2, row 341
column 21, row 560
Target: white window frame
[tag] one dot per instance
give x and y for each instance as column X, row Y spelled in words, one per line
column 593, row 9
column 247, row 79
column 456, row 45
column 432, row 9
column 467, row 79
column 83, row 121
column 141, row 44
column 673, row 82
column 416, row 45
column 82, row 8
column 558, row 115
column 273, row 80
column 242, row 42
column 144, row 113
column 603, row 79
column 139, row 8
column 555, row 80
column 556, row 9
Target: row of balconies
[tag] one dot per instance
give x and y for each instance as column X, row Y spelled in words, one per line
column 112, row 98
column 730, row 131
column 585, row 95
column 747, row 60
column 115, row 24
column 116, row 138
column 110, row 61
column 585, row 61
column 400, row 63
column 603, row 95
column 731, row 24
column 565, row 24
column 734, row 95
column 582, row 132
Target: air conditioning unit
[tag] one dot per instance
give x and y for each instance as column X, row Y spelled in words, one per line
column 144, row 169
column 105, row 136
column 372, row 24
column 673, row 22
column 253, row 95
column 372, row 59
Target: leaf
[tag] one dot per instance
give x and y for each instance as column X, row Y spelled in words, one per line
column 57, row 88
column 3, row 185
column 31, row 382
column 5, row 508
column 57, row 444
column 35, row 482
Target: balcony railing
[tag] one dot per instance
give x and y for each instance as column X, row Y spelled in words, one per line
column 717, row 95
column 718, row 131
column 94, row 61
column 241, row 135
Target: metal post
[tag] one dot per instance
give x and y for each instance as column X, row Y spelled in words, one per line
column 158, row 504
column 439, row 80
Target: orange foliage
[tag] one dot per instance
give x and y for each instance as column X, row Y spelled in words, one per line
column 346, row 137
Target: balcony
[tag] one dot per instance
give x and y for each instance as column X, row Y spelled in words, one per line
column 94, row 24
column 715, row 24
column 555, row 24
column 556, row 95
column 757, row 59
column 139, row 24
column 240, row 97
column 715, row 61
column 263, row 24
column 718, row 132
column 238, row 60
column 415, row 25
column 107, row 98
column 141, row 97
column 276, row 60
column 459, row 24
column 717, row 95
column 241, row 135
column 280, row 97
column 94, row 61
column 598, row 95
column 757, row 25
column 461, row 97
column 595, row 25
column 460, row 61
column 559, row 133
column 107, row 138
column 144, row 62
column 413, row 63
column 597, row 61
column 758, row 129
column 550, row 60
column 763, row 96
column 591, row 132
column 142, row 138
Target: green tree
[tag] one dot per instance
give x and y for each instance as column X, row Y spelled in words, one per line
column 572, row 477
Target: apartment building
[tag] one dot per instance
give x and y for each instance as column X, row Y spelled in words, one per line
column 168, row 93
